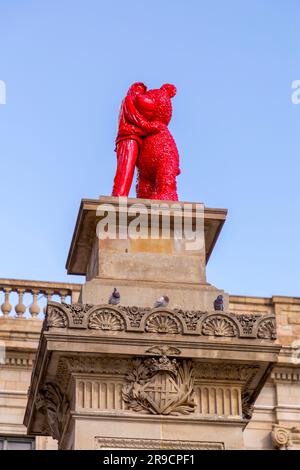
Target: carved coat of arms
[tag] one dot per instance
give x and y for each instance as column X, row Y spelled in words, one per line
column 160, row 386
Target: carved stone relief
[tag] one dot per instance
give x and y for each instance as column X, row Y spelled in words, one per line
column 267, row 329
column 217, row 325
column 106, row 319
column 53, row 403
column 78, row 312
column 162, row 321
column 56, row 318
column 247, row 322
column 285, row 437
column 134, row 314
column 191, row 318
column 160, row 386
column 280, row 437
column 164, row 350
column 247, row 405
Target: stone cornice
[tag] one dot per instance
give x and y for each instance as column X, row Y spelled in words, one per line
column 130, row 344
column 160, row 321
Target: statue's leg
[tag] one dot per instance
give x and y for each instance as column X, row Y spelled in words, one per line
column 166, row 188
column 127, row 152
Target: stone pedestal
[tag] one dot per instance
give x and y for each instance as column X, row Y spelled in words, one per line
column 145, row 268
column 133, row 376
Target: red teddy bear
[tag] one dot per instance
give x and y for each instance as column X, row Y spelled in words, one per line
column 158, row 160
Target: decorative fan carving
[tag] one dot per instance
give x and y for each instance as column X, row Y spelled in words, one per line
column 56, row 318
column 163, row 322
column 267, row 329
column 106, row 319
column 218, row 326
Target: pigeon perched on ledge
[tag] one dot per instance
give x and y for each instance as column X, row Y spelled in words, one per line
column 219, row 303
column 114, row 298
column 162, row 301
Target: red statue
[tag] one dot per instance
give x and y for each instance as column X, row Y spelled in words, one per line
column 145, row 141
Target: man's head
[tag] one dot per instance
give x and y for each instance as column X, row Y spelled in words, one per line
column 138, row 88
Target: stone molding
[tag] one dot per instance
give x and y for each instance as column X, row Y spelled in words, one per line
column 154, row 444
column 18, row 361
column 160, row 321
column 284, row 374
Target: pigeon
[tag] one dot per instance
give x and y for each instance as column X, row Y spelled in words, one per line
column 115, row 297
column 218, row 303
column 162, row 301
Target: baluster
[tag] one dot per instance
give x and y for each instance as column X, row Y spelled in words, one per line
column 49, row 294
column 34, row 309
column 63, row 294
column 20, row 307
column 6, row 306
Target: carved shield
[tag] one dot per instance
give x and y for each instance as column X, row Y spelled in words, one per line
column 161, row 391
column 160, row 386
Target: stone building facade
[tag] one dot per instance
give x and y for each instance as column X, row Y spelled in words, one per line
column 275, row 423
column 268, row 419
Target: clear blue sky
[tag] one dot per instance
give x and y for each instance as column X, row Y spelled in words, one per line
column 67, row 64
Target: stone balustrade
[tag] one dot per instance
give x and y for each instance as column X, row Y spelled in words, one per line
column 27, row 299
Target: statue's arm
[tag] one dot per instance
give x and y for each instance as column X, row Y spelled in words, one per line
column 133, row 116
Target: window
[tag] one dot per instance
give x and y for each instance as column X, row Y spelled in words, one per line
column 16, row 443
